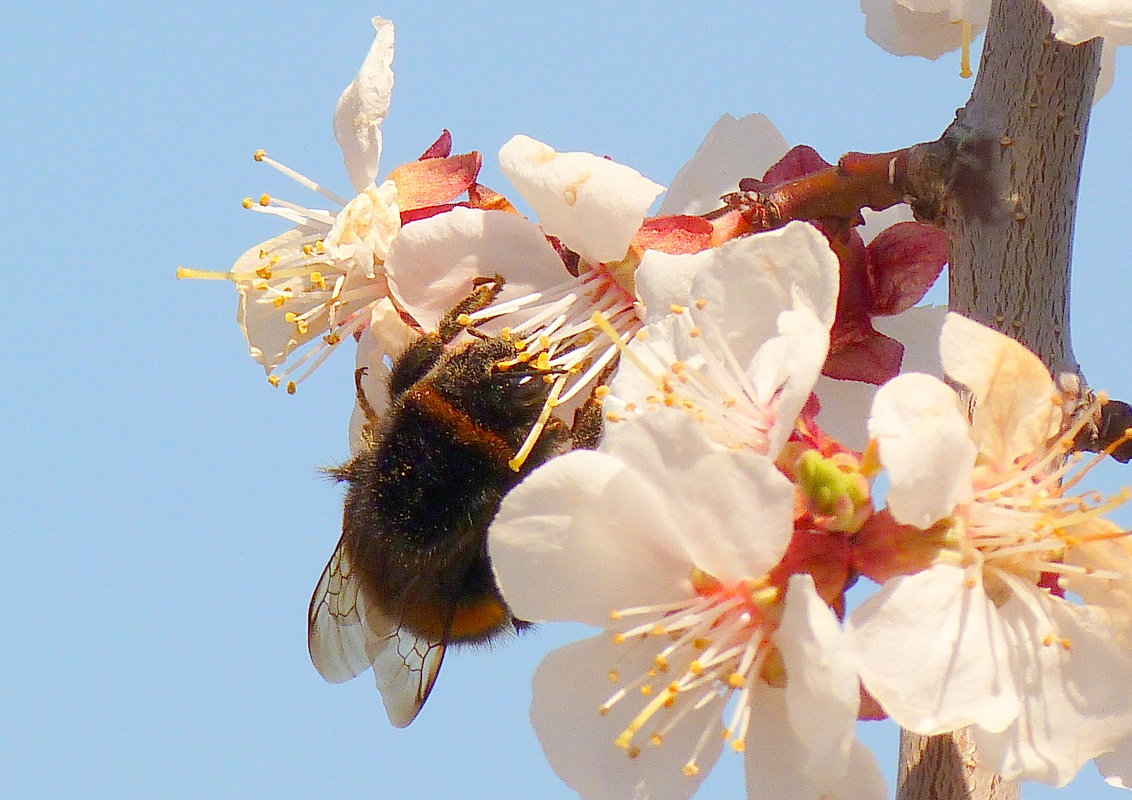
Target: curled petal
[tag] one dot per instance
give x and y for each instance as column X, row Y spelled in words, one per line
column 592, row 204
column 363, row 106
column 925, row 445
column 433, row 181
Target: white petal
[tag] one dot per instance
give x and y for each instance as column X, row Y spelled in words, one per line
column 1116, row 765
column 786, row 368
column 732, row 150
column 925, row 445
column 594, row 205
column 746, row 282
column 810, row 753
column 569, row 686
column 433, row 261
column 585, row 535
column 933, row 652
column 845, row 404
column 904, row 32
column 1076, row 703
column 1016, row 410
column 362, row 108
column 733, row 510
column 1077, row 21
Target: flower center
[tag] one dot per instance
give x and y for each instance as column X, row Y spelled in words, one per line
column 706, row 649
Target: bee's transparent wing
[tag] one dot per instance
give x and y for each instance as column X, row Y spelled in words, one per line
column 346, row 637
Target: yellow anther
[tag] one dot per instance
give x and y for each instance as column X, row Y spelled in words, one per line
column 656, row 740
column 661, row 662
column 332, row 339
column 1065, row 644
column 646, row 689
column 696, row 668
column 264, row 272
column 290, row 317
column 735, row 680
column 690, row 769
column 258, row 155
column 1048, row 639
column 675, row 308
column 247, row 202
column 319, row 247
column 463, row 320
column 695, row 332
column 618, row 638
column 604, row 709
column 291, row 387
column 739, row 745
column 601, row 392
column 701, row 304
column 278, row 301
column 265, row 199
column 308, row 249
column 273, row 380
column 633, row 751
column 543, row 361
column 319, row 281
column 614, row 676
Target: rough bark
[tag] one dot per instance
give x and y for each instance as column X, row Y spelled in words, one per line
column 1009, row 262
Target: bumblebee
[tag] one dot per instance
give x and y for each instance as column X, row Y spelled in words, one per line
column 411, row 574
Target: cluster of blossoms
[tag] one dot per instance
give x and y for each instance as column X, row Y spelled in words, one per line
column 713, row 535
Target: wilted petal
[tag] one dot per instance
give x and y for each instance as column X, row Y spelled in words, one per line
column 904, row 261
column 569, row 686
column 363, row 106
column 732, row 150
column 925, row 445
column 933, row 652
column 592, row 204
column 1016, row 410
column 433, row 262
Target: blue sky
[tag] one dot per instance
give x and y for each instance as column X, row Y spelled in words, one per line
column 165, row 520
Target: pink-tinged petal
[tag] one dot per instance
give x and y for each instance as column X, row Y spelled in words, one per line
column 433, row 181
column 362, row 108
column 800, row 160
column 1016, row 409
column 933, row 651
column 821, row 698
column 904, row 261
column 592, row 204
column 1073, row 678
column 925, row 445
column 569, row 686
column 433, row 261
column 732, row 150
column 441, row 148
column 596, row 530
column 1077, row 21
column 904, row 32
column 863, row 354
column 675, row 234
column 741, row 498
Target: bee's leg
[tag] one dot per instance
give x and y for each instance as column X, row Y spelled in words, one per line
column 363, row 403
column 589, row 421
column 484, row 291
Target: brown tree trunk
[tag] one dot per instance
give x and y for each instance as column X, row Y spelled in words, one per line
column 1009, row 264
